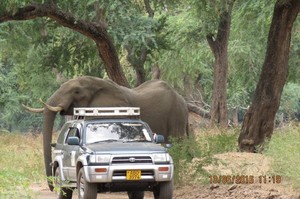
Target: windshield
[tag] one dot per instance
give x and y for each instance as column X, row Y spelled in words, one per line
column 117, row 131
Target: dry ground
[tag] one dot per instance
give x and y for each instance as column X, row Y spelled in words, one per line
column 208, row 192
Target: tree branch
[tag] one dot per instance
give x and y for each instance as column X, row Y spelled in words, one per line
column 94, row 31
column 148, row 8
column 33, row 11
column 211, row 43
column 198, row 110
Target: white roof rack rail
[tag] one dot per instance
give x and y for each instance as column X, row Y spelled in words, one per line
column 106, row 111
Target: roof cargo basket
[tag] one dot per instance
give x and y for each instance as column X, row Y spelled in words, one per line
column 106, row 112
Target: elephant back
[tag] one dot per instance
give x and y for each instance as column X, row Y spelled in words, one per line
column 162, row 108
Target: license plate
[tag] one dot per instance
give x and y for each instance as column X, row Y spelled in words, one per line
column 133, row 175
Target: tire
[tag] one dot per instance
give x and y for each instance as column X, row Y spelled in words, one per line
column 85, row 189
column 164, row 190
column 64, row 192
column 135, row 194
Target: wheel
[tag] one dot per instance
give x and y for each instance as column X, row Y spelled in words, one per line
column 63, row 192
column 135, row 194
column 164, row 190
column 86, row 190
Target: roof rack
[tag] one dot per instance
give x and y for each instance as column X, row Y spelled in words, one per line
column 106, row 111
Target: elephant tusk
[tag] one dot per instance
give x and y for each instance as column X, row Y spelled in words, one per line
column 52, row 108
column 34, row 110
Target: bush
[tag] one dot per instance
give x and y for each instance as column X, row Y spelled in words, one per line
column 191, row 154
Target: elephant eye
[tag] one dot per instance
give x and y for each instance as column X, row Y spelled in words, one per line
column 76, row 92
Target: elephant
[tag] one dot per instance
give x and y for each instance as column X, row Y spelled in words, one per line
column 160, row 106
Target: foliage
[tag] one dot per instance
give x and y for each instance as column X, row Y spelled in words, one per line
column 19, row 65
column 189, row 54
column 201, row 149
column 290, row 102
column 246, row 51
column 294, row 69
column 209, row 12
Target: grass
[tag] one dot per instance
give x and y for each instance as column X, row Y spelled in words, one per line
column 21, row 165
column 284, row 148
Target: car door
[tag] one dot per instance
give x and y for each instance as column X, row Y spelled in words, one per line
column 70, row 153
column 57, row 153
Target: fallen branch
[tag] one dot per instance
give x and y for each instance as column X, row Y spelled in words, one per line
column 198, row 110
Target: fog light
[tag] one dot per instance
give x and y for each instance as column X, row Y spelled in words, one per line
column 99, row 177
column 101, row 170
column 163, row 169
column 165, row 176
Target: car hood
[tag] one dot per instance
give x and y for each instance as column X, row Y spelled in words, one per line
column 120, row 147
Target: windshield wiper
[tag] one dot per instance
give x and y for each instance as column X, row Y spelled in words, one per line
column 108, row 140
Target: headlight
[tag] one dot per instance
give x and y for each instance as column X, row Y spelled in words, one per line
column 103, row 159
column 162, row 158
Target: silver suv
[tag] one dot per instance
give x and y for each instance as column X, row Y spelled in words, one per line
column 111, row 150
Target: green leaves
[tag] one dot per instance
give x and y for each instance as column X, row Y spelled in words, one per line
column 290, row 100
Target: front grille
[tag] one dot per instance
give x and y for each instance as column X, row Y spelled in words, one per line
column 132, row 159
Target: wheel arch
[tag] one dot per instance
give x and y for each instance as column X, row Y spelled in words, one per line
column 54, row 167
column 79, row 165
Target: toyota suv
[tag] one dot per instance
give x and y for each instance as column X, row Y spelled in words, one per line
column 111, row 150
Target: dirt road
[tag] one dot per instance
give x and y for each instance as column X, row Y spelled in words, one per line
column 206, row 192
column 42, row 192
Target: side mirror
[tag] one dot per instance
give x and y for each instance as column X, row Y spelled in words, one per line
column 73, row 141
column 159, row 139
column 53, row 145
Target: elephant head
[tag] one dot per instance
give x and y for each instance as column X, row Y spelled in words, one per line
column 79, row 92
column 161, row 106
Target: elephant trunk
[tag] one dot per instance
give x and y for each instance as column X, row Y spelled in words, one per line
column 49, row 117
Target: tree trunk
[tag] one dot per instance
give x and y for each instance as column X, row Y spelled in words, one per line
column 235, row 116
column 95, row 31
column 137, row 63
column 219, row 112
column 155, row 72
column 259, row 119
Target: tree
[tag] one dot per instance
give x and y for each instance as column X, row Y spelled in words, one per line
column 137, row 57
column 219, row 45
column 250, row 23
column 97, row 31
column 259, row 119
column 134, row 34
column 123, row 21
column 216, row 20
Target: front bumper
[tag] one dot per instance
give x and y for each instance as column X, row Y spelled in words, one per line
column 117, row 173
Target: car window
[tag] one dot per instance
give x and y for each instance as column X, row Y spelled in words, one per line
column 116, row 131
column 63, row 132
column 73, row 132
